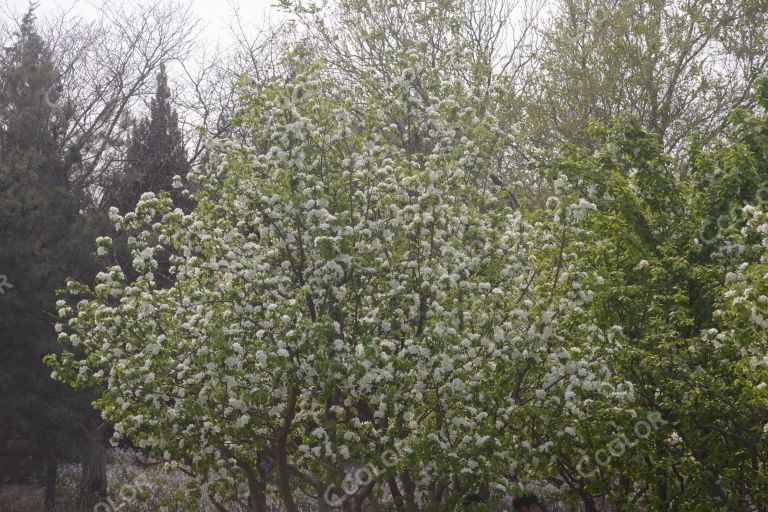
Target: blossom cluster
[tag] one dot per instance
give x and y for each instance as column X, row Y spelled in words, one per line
column 347, row 285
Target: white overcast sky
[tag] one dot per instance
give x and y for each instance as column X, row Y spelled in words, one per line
column 214, row 14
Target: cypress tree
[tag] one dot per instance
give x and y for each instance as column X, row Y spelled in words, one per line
column 155, row 153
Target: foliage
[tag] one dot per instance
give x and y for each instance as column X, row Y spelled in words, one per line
column 682, row 283
column 357, row 293
column 155, row 153
column 679, row 66
column 40, row 237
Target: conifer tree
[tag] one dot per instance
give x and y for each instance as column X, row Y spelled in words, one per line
column 155, row 152
column 40, row 246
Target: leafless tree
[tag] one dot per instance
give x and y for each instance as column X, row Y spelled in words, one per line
column 107, row 67
column 209, row 81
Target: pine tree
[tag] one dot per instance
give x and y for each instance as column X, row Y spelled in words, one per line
column 155, row 153
column 41, row 243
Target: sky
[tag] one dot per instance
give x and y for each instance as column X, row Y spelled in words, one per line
column 214, row 14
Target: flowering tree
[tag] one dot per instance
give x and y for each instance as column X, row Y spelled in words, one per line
column 356, row 294
column 344, row 287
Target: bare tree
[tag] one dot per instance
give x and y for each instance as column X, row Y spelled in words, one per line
column 107, row 67
column 208, row 89
column 209, row 82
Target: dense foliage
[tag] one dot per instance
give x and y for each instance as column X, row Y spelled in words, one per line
column 42, row 242
column 355, row 290
column 428, row 256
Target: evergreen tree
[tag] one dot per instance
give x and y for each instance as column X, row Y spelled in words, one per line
column 155, row 153
column 40, row 245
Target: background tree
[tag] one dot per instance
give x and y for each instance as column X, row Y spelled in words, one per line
column 155, row 153
column 41, row 237
column 107, row 66
column 673, row 64
column 678, row 268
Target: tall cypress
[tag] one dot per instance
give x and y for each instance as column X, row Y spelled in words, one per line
column 155, row 153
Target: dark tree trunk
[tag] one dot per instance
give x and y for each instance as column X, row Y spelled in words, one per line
column 589, row 504
column 51, row 468
column 410, row 490
column 257, row 491
column 283, row 472
column 93, row 484
column 258, row 502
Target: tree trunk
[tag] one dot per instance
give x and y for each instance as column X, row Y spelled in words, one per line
column 257, row 491
column 589, row 504
column 283, row 473
column 257, row 502
column 51, row 468
column 93, row 484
